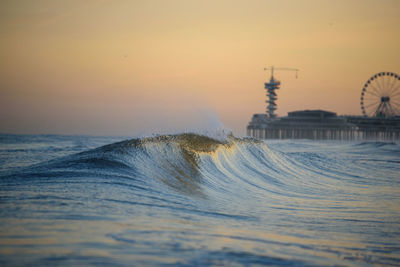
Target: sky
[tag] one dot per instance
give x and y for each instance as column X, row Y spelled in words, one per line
column 140, row 67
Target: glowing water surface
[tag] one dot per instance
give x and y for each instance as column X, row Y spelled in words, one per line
column 193, row 200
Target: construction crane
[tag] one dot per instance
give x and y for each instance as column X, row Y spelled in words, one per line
column 271, row 87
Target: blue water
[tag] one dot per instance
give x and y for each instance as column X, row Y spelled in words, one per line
column 192, row 200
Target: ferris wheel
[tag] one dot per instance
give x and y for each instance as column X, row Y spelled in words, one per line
column 380, row 96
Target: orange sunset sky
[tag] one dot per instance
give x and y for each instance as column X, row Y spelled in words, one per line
column 139, row 67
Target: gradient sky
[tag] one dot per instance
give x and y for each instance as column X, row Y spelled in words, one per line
column 137, row 67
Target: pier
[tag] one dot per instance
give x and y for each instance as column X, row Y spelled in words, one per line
column 380, row 106
column 323, row 125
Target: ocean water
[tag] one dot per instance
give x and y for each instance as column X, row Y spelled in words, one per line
column 191, row 200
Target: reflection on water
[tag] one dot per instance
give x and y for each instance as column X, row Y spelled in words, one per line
column 198, row 201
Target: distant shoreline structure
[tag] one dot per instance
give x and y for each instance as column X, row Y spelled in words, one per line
column 380, row 98
column 323, row 125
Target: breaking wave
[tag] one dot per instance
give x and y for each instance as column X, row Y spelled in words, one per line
column 192, row 199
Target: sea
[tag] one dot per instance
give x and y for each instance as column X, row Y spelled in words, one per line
column 195, row 200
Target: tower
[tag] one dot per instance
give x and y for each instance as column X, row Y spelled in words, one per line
column 271, row 87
